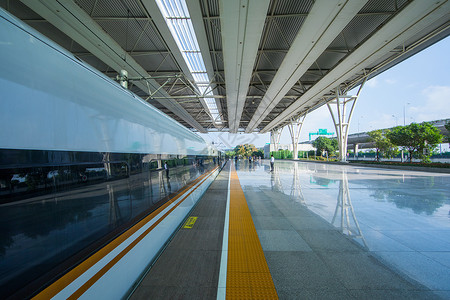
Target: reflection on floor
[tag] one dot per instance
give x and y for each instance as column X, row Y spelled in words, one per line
column 345, row 207
column 400, row 217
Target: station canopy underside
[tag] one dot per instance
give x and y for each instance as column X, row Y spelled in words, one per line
column 265, row 62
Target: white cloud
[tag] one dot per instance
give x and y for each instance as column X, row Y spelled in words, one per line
column 390, row 81
column 372, row 82
column 436, row 105
column 384, row 120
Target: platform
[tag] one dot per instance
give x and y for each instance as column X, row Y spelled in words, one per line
column 326, row 232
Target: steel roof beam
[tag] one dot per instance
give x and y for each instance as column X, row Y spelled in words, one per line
column 242, row 23
column 325, row 21
column 68, row 17
column 409, row 22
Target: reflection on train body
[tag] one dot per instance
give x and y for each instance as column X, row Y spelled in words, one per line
column 54, row 209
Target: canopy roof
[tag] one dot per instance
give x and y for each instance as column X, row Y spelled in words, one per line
column 262, row 62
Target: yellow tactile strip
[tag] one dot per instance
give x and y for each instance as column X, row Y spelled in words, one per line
column 248, row 276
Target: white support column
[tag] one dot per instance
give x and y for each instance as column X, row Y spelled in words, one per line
column 342, row 120
column 295, row 128
column 275, row 135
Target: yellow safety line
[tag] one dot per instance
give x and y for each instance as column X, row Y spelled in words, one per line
column 69, row 277
column 248, row 276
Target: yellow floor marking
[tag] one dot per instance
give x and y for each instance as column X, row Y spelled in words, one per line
column 190, row 222
column 248, row 276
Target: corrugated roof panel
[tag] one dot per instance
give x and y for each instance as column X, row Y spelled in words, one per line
column 124, row 9
column 274, row 39
column 203, row 8
column 252, row 90
column 328, row 60
column 285, row 102
column 86, row 5
column 338, row 43
column 206, row 25
column 219, row 60
column 400, row 3
column 289, row 26
column 150, row 41
column 375, row 6
column 164, row 62
column 105, row 8
column 293, row 7
column 215, row 27
column 295, row 91
column 263, row 63
column 360, row 27
column 135, row 9
column 266, row 76
column 312, row 76
column 213, row 6
column 275, row 59
column 124, row 32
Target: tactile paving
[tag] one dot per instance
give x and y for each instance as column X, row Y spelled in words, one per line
column 248, row 276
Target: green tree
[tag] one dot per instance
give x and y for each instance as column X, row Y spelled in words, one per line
column 418, row 139
column 382, row 143
column 258, row 153
column 230, row 154
column 245, row 150
column 287, row 153
column 325, row 144
column 281, row 154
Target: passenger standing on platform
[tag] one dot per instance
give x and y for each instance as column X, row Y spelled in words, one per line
column 166, row 167
column 272, row 162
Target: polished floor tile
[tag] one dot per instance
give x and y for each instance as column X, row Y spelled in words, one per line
column 377, row 232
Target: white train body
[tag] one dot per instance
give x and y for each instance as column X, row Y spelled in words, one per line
column 50, row 100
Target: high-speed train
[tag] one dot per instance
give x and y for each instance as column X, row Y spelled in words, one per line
column 81, row 160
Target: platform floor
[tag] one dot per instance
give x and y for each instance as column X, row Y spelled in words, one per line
column 189, row 266
column 327, row 232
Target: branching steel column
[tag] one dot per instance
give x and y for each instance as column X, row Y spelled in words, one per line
column 275, row 135
column 343, row 120
column 295, row 127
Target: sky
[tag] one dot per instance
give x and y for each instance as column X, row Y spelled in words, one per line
column 416, row 90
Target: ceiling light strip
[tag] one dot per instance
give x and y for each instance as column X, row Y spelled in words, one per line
column 177, row 18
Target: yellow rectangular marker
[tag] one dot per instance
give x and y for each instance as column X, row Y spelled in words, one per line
column 190, row 222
